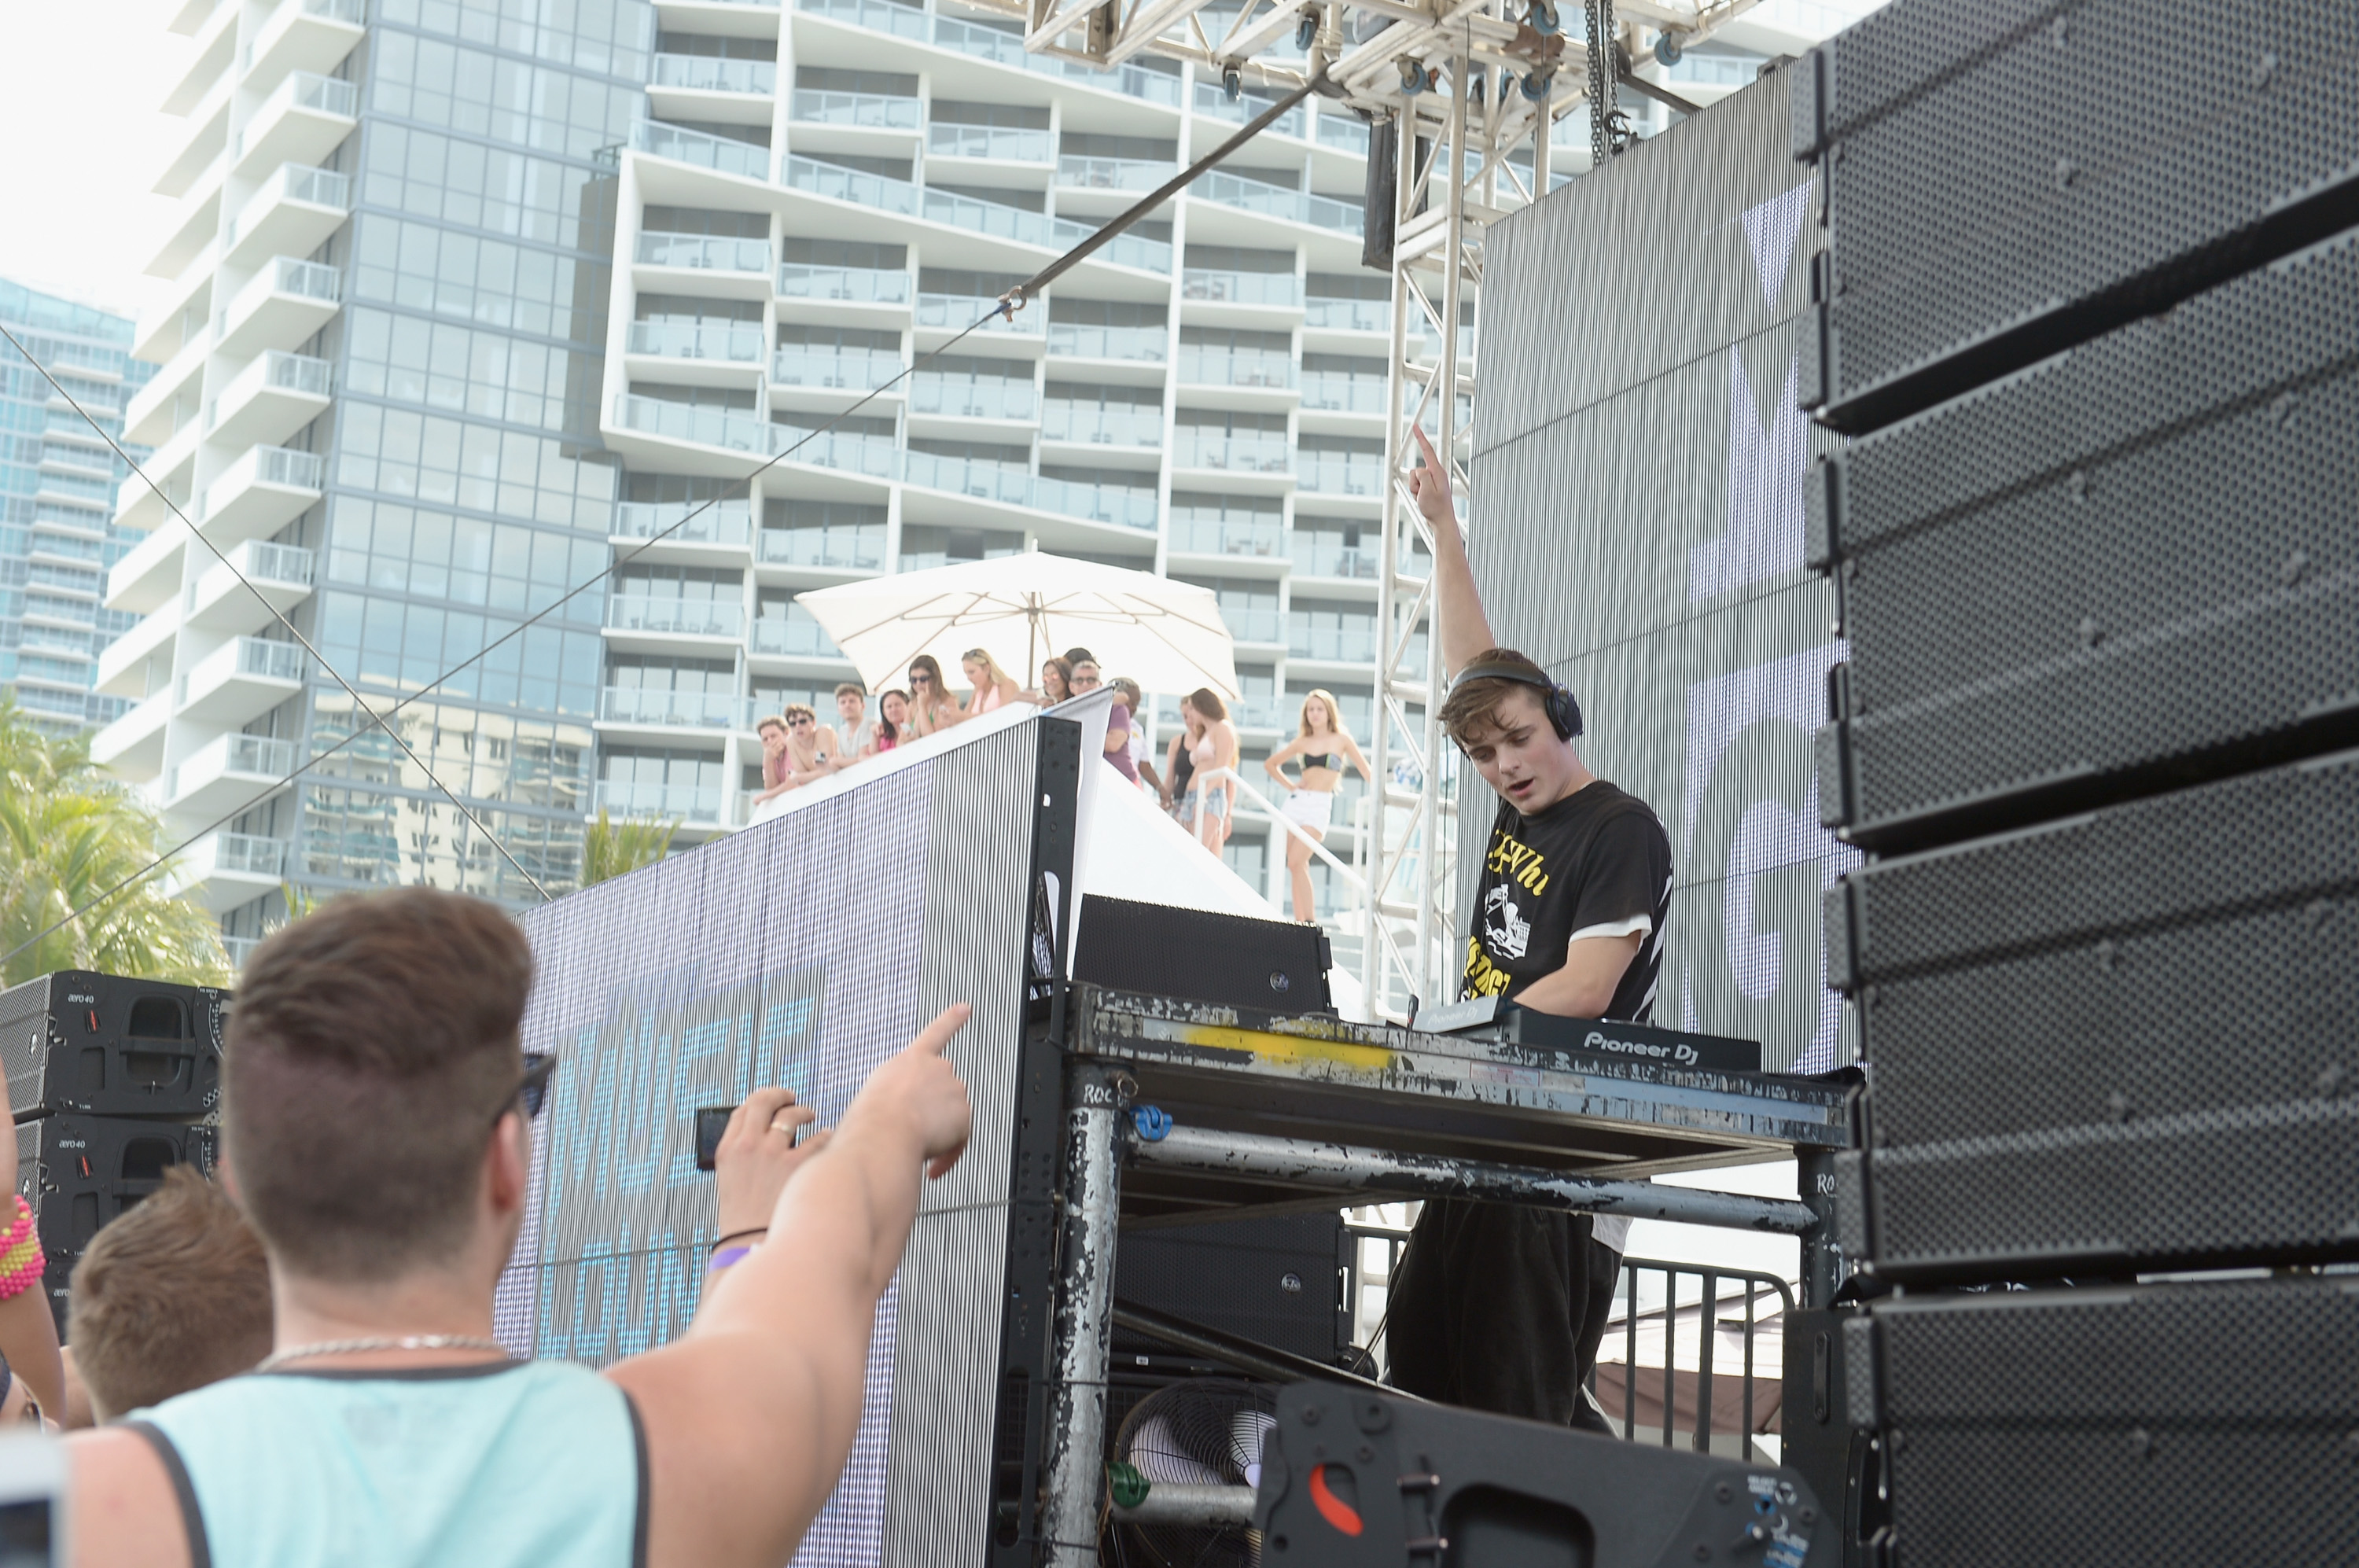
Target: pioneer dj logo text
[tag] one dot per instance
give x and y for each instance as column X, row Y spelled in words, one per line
column 1669, row 1050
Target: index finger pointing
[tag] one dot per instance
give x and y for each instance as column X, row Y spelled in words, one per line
column 936, row 1036
column 1433, row 458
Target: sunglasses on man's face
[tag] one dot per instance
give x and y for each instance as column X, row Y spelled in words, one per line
column 804, row 723
column 534, row 1091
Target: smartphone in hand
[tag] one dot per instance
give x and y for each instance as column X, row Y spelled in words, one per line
column 711, row 1121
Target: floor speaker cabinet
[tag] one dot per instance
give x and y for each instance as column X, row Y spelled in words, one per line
column 109, row 1046
column 80, row 1173
column 2001, row 178
column 2130, row 567
column 2119, row 1040
column 1277, row 1279
column 2154, row 1426
column 1234, row 960
column 1842, row 1464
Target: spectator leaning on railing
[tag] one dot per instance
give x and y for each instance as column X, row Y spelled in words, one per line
column 374, row 1116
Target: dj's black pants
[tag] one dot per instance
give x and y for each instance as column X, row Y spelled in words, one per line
column 1500, row 1307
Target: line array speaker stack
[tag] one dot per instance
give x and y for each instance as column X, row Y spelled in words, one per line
column 2090, row 304
column 113, row 1081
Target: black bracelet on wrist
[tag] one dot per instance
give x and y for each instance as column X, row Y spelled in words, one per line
column 739, row 1235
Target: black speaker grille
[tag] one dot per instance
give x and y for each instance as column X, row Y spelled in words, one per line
column 2122, row 153
column 2136, row 560
column 2179, row 1424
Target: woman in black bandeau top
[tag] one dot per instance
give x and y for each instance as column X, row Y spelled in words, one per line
column 1321, row 747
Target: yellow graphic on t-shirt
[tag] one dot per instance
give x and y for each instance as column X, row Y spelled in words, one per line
column 1513, row 858
column 1484, row 978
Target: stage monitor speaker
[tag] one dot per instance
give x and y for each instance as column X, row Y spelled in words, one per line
column 81, row 1173
column 1232, row 960
column 1842, row 1464
column 2120, row 1039
column 110, row 1046
column 1277, row 1280
column 1353, row 1480
column 2155, row 1426
column 2129, row 568
column 2003, row 178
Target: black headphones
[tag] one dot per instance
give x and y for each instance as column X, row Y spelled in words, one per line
column 1563, row 712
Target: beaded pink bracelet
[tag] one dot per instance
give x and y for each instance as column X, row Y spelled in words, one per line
column 22, row 1262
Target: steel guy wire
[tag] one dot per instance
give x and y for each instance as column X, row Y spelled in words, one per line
column 1003, row 308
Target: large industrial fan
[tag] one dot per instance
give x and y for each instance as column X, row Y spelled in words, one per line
column 1199, row 1431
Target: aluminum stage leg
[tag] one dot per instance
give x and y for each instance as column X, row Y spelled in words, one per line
column 1096, row 1101
column 1345, row 1168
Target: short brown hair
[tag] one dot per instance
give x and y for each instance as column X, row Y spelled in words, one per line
column 771, row 723
column 174, row 1295
column 1472, row 709
column 799, row 711
column 372, row 1049
column 852, row 689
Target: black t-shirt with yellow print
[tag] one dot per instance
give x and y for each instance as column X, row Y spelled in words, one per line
column 1597, row 863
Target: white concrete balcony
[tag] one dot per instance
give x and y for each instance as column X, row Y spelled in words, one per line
column 133, row 746
column 286, row 302
column 183, row 315
column 695, row 353
column 261, row 493
column 241, row 680
column 691, row 804
column 144, row 580
column 197, row 219
column 226, row 870
column 140, row 505
column 653, row 709
column 296, row 210
column 728, row 19
column 715, row 267
column 147, row 415
column 649, row 622
column 304, row 119
column 229, row 772
column 122, row 663
column 718, row 533
column 270, row 399
column 301, row 35
column 279, row 576
column 216, row 43
column 720, row 92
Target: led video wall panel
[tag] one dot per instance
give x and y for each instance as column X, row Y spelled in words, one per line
column 800, row 951
column 1636, row 526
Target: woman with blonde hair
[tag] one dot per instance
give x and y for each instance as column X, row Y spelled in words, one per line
column 1216, row 748
column 1321, row 747
column 992, row 685
column 932, row 709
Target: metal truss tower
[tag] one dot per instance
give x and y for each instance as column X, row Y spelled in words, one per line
column 1461, row 97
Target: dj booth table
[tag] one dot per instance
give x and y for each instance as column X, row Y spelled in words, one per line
column 1167, row 1109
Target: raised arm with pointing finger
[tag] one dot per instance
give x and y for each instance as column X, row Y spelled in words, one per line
column 1465, row 634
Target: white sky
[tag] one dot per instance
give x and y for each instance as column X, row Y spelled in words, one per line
column 80, row 142
column 83, row 140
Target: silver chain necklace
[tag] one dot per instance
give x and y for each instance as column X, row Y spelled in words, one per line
column 407, row 1342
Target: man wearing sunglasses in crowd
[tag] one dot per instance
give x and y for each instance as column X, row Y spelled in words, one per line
column 375, row 1112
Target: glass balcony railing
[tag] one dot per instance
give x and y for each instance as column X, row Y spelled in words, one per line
column 1256, row 538
column 265, row 465
column 974, row 399
column 973, row 216
column 1010, row 144
column 293, row 182
column 254, row 656
column 1202, row 366
column 1345, row 132
column 684, row 710
column 872, row 111
column 677, row 802
column 717, row 522
column 250, row 855
column 1241, row 454
column 1281, row 288
column 875, row 456
column 1352, row 641
column 1319, row 555
column 267, row 562
column 845, row 548
column 1332, row 393
column 1125, row 506
column 679, row 617
column 259, row 757
column 951, row 311
column 1254, row 623
column 1278, row 201
column 1113, row 173
column 312, row 280
column 281, row 371
column 1331, row 473
column 704, row 253
column 704, row 73
column 735, row 343
column 981, row 42
column 883, row 15
column 1270, row 712
column 969, row 476
column 833, row 369
column 1331, row 314
column 1008, row 49
column 1211, row 100
column 876, row 191
column 300, row 90
column 727, row 428
column 1101, row 426
column 851, row 285
column 1138, row 345
column 793, row 636
column 722, row 154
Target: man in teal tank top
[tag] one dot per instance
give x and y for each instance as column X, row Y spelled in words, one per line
column 375, row 1102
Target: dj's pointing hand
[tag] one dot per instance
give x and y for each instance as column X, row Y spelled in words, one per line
column 921, row 1089
column 1431, row 485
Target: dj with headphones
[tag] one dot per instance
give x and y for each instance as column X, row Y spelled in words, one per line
column 1496, row 1306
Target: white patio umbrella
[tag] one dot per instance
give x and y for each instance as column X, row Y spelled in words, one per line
column 1024, row 609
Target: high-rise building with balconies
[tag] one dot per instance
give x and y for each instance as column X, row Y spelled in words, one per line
column 58, row 477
